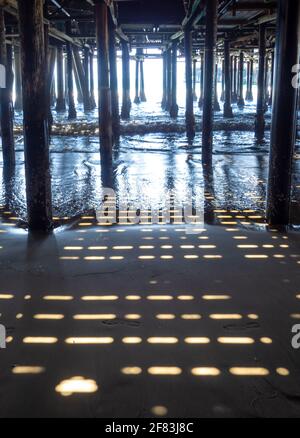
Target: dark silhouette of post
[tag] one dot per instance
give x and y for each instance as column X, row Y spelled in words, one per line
column 61, row 99
column 174, row 106
column 272, row 78
column 189, row 114
column 137, row 99
column 200, row 103
column 72, row 110
column 92, row 80
column 228, row 113
column 164, row 96
column 250, row 96
column 51, row 82
column 267, row 82
column 53, row 61
column 284, row 113
column 217, row 107
column 260, row 109
column 248, row 80
column 169, row 80
column 209, row 81
column 126, row 102
column 18, row 80
column 36, row 138
column 105, row 111
column 142, row 77
column 77, row 82
column 7, row 110
column 87, row 75
column 114, row 80
column 234, row 81
column 48, row 80
column 82, row 69
column 241, row 100
column 222, row 98
column 53, row 93
column 10, row 72
column 194, row 79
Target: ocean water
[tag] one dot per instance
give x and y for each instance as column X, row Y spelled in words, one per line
column 152, row 159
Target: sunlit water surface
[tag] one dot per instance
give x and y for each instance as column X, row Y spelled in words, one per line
column 149, row 164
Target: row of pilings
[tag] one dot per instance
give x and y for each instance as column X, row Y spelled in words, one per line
column 36, row 61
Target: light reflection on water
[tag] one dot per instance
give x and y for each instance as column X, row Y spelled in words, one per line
column 151, row 112
column 146, row 168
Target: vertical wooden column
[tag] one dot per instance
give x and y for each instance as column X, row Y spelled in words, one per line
column 231, row 75
column 250, row 98
column 92, row 80
column 189, row 114
column 10, row 73
column 194, row 79
column 61, row 99
column 105, row 112
column 137, row 99
column 48, row 81
column 6, row 114
column 227, row 73
column 66, row 77
column 18, row 80
column 71, row 102
column 142, row 77
column 241, row 100
column 164, row 97
column 77, row 81
column 83, row 75
column 79, row 76
column 142, row 86
column 284, row 113
column 234, row 81
column 36, row 140
column 260, row 109
column 238, row 78
column 174, row 106
column 200, row 103
column 52, row 64
column 272, row 78
column 86, row 78
column 248, row 80
column 222, row 98
column 209, row 80
column 53, row 93
column 267, row 82
column 114, row 79
column 216, row 101
column 126, row 103
column 169, row 80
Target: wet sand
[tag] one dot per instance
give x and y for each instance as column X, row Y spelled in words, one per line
column 141, row 319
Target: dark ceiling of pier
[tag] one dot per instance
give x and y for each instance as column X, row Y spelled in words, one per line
column 154, row 23
column 156, row 12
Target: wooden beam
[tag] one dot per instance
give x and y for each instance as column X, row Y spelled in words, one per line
column 36, row 138
column 284, row 113
column 191, row 20
column 6, row 113
column 105, row 112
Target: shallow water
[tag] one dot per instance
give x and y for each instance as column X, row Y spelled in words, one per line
column 150, row 118
column 146, row 169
